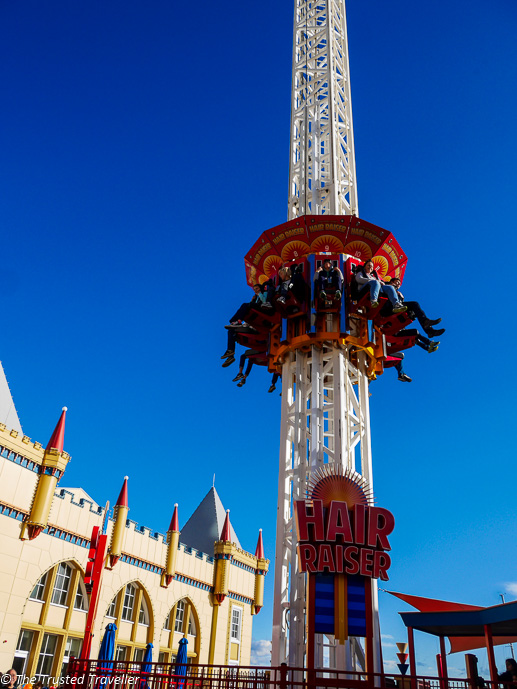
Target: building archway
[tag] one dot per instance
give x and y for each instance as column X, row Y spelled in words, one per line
column 182, row 621
column 53, row 623
column 131, row 611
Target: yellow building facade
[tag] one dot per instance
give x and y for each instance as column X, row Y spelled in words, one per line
column 156, row 587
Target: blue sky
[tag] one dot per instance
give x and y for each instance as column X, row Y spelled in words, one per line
column 145, row 148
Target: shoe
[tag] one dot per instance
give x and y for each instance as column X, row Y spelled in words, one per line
column 234, row 324
column 374, row 304
column 337, row 295
column 229, row 361
column 434, row 333
column 272, row 388
column 281, row 300
column 238, row 377
column 398, row 308
column 247, row 326
column 323, row 294
column 433, row 347
column 267, row 305
column 228, row 353
column 429, row 323
column 405, row 378
column 241, row 382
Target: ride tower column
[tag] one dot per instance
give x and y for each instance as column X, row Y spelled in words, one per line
column 325, row 416
column 322, row 176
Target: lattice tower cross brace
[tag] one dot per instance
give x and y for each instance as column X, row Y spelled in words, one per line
column 322, row 177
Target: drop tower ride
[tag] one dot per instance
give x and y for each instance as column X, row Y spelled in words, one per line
column 327, row 346
column 325, row 415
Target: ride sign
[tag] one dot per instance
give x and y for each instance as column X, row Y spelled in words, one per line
column 339, row 539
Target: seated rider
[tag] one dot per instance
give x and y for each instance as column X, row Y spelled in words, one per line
column 260, row 299
column 284, row 279
column 326, row 277
column 368, row 280
column 414, row 308
column 291, row 281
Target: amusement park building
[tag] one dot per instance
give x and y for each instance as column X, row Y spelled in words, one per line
column 156, row 588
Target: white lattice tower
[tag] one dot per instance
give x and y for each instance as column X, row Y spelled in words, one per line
column 325, row 407
column 322, row 176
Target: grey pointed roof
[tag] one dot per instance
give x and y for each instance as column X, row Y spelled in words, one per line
column 8, row 413
column 206, row 523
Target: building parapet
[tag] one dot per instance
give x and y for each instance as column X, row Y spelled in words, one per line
column 93, row 507
column 22, row 445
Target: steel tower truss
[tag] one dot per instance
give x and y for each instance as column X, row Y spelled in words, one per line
column 325, row 420
column 322, row 176
column 325, row 407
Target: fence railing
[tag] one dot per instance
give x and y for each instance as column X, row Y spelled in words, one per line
column 118, row 674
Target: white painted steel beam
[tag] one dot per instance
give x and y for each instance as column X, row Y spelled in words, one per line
column 322, row 177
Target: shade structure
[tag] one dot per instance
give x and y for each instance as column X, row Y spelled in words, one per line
column 146, row 666
column 107, row 649
column 313, row 234
column 465, row 631
column 180, row 667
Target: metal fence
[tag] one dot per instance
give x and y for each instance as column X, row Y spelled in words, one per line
column 96, row 674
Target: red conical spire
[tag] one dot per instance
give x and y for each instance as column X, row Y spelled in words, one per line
column 122, row 498
column 174, row 526
column 58, row 436
column 259, row 552
column 226, row 533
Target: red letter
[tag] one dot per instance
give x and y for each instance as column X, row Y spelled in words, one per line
column 366, row 559
column 359, row 523
column 380, row 524
column 339, row 559
column 352, row 565
column 306, row 557
column 381, row 564
column 325, row 559
column 303, row 519
column 339, row 522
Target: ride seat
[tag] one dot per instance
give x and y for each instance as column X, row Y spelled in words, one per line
column 259, row 359
column 261, row 319
column 391, row 324
column 391, row 360
column 329, row 305
column 251, row 340
column 397, row 344
column 291, row 307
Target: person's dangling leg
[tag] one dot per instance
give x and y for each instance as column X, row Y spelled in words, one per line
column 241, row 313
column 403, row 377
column 230, row 349
column 392, row 295
column 375, row 287
column 274, row 380
column 240, row 374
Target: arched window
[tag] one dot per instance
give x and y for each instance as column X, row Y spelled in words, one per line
column 53, row 623
column 182, row 621
column 131, row 611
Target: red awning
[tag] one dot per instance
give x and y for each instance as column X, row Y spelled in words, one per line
column 458, row 643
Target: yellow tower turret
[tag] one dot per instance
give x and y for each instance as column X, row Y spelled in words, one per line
column 52, row 468
column 119, row 528
column 173, row 537
column 223, row 552
column 260, row 573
